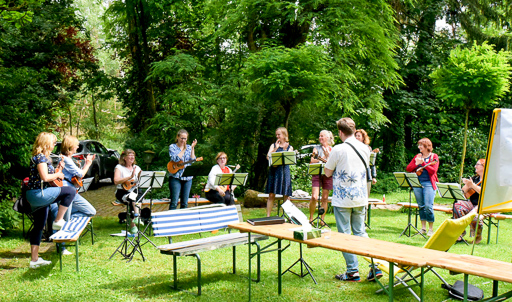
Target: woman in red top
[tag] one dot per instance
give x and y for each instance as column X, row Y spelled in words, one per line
column 427, row 163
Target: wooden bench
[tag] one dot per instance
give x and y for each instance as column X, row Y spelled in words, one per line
column 199, row 220
column 69, row 233
column 415, row 206
column 489, row 223
column 149, row 202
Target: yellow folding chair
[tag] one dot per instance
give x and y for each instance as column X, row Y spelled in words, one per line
column 442, row 240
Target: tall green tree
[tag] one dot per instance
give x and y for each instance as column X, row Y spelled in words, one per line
column 472, row 78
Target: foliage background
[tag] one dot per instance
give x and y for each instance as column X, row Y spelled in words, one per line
column 131, row 73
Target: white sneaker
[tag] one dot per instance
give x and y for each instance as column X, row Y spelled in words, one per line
column 40, row 262
column 137, row 219
column 66, row 252
column 430, row 233
column 57, row 225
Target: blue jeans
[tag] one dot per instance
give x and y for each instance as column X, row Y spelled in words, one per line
column 179, row 189
column 351, row 220
column 425, row 199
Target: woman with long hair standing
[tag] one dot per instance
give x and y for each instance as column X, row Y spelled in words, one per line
column 40, row 194
column 279, row 174
column 179, row 185
column 321, row 154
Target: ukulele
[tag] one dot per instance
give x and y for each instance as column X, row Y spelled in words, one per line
column 127, row 185
column 174, row 167
column 420, row 169
column 315, row 156
column 57, row 182
column 470, row 192
column 224, row 188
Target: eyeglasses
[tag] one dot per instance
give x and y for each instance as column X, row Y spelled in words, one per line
column 478, row 165
column 223, row 157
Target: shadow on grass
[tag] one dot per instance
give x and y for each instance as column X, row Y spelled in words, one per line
column 162, row 285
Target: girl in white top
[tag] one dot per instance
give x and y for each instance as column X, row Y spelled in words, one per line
column 126, row 177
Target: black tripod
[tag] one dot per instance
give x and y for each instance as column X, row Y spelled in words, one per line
column 132, row 241
column 305, row 269
column 318, row 169
column 409, row 180
column 283, row 159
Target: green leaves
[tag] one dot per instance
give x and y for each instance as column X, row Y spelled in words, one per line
column 473, row 77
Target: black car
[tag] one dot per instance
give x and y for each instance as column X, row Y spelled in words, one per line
column 103, row 165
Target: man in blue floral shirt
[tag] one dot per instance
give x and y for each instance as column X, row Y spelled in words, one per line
column 350, row 196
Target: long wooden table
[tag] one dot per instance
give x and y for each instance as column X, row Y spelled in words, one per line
column 395, row 253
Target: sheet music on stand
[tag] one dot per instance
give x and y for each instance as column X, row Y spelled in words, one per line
column 316, row 169
column 450, row 191
column 373, row 157
column 407, row 180
column 154, row 179
column 86, row 184
column 231, row 179
column 282, row 158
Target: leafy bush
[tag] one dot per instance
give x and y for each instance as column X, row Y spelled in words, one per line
column 301, row 180
column 8, row 217
column 386, row 183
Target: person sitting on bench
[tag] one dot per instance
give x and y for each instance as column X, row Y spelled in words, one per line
column 126, row 177
column 472, row 192
column 219, row 194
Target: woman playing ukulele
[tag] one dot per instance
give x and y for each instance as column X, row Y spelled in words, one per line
column 179, row 186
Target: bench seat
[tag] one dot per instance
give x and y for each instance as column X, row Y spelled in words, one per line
column 71, row 232
column 415, row 206
column 199, row 220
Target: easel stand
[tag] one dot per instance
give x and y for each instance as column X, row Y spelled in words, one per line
column 451, row 191
column 318, row 169
column 411, row 181
column 296, row 216
column 284, row 159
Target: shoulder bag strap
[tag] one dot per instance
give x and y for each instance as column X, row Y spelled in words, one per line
column 365, row 165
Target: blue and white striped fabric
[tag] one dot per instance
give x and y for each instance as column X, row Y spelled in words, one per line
column 71, row 228
column 189, row 221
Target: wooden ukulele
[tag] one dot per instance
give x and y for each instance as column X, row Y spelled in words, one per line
column 174, row 167
column 57, row 182
column 77, row 181
column 127, row 185
column 315, row 156
column 470, row 192
column 224, row 188
column 420, row 169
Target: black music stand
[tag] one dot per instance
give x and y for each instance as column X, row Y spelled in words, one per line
column 154, row 180
column 409, row 180
column 296, row 216
column 231, row 179
column 318, row 169
column 135, row 242
column 284, row 158
column 451, row 191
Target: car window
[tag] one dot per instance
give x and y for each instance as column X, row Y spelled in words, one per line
column 101, row 148
column 80, row 148
column 92, row 147
column 56, row 149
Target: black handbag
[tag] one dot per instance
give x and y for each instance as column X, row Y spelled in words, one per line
column 21, row 205
column 368, row 169
column 457, row 291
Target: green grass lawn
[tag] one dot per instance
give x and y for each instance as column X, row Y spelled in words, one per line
column 101, row 279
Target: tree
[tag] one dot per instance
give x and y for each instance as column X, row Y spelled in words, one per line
column 472, row 78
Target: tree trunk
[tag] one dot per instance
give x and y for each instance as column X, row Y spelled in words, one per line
column 96, row 129
column 149, row 83
column 464, row 145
